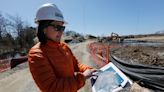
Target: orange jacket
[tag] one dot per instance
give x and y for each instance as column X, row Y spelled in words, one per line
column 53, row 66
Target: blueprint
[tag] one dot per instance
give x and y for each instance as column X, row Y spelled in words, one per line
column 109, row 79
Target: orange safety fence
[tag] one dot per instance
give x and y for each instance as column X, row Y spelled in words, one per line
column 5, row 65
column 99, row 53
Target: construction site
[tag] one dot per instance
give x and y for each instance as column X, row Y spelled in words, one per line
column 141, row 59
column 82, row 46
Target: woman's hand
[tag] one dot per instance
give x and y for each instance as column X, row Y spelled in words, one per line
column 88, row 73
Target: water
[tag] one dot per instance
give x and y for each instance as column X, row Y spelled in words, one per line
column 141, row 43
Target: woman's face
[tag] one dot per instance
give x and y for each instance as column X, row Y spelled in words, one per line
column 52, row 32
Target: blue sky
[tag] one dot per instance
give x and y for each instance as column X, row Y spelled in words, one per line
column 97, row 17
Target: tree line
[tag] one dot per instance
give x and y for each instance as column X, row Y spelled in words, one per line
column 15, row 33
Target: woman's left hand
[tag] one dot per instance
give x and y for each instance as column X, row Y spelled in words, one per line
column 88, row 73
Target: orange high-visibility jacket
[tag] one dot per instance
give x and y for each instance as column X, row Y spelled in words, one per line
column 53, row 66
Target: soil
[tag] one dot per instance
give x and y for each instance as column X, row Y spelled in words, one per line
column 149, row 55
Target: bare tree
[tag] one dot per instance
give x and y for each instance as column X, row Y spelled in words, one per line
column 3, row 24
column 28, row 35
column 18, row 27
column 8, row 40
column 15, row 34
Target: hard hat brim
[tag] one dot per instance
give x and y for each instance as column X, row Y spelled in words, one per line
column 37, row 21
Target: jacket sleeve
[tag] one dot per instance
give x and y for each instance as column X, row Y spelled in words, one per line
column 79, row 67
column 45, row 77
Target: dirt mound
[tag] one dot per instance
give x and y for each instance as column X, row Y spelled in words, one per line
column 150, row 55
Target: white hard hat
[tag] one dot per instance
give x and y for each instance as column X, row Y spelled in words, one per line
column 49, row 11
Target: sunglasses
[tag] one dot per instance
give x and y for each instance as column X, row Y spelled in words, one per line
column 58, row 27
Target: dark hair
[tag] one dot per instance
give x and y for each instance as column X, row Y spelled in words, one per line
column 40, row 34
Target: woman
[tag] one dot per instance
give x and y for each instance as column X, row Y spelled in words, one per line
column 52, row 64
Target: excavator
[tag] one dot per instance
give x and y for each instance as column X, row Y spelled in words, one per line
column 114, row 37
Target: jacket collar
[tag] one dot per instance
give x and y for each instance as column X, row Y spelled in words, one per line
column 51, row 43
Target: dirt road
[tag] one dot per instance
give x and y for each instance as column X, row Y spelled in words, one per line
column 21, row 81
